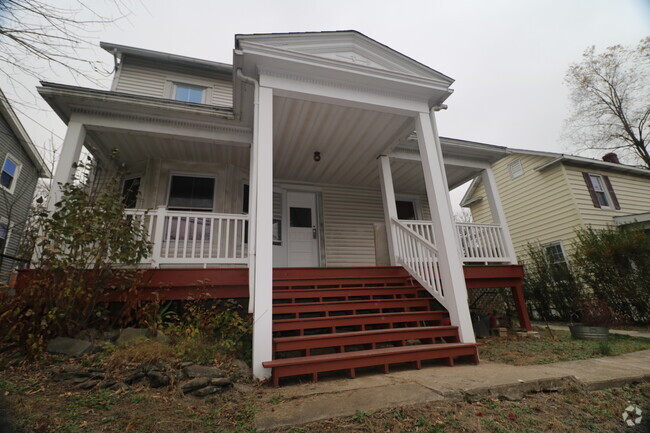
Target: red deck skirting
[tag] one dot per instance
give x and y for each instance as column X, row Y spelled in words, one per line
column 225, row 283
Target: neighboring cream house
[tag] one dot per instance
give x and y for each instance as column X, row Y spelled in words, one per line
column 300, row 154
column 547, row 196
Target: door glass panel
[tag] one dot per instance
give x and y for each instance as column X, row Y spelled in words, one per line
column 405, row 210
column 300, row 217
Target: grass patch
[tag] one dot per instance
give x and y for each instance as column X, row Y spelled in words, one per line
column 555, row 347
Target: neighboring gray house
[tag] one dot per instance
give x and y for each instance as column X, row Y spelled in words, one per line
column 21, row 168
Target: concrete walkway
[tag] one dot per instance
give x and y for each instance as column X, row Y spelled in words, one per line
column 300, row 404
column 639, row 334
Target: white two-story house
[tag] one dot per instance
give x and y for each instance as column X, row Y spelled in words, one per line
column 311, row 153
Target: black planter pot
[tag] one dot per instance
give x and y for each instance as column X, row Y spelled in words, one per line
column 585, row 332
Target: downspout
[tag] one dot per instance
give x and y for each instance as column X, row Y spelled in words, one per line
column 252, row 193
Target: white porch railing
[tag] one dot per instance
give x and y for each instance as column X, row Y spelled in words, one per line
column 419, row 257
column 481, row 243
column 180, row 237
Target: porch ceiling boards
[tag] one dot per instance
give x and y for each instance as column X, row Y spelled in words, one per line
column 349, row 140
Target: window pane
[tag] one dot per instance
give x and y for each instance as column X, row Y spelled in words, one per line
column 300, row 217
column 195, row 95
column 595, row 181
column 9, row 167
column 130, row 192
column 405, row 210
column 3, row 231
column 6, row 179
column 191, row 193
column 189, row 94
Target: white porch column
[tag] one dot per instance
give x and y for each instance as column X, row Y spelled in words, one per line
column 451, row 266
column 496, row 209
column 69, row 157
column 263, row 223
column 390, row 207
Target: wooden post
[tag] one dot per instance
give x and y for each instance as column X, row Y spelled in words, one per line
column 451, row 266
column 390, row 207
column 68, row 159
column 263, row 269
column 496, row 209
column 520, row 305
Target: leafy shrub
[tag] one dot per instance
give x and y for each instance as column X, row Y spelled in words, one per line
column 614, row 265
column 552, row 289
column 79, row 245
column 207, row 330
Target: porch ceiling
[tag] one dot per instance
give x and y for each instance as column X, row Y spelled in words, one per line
column 133, row 148
column 348, row 139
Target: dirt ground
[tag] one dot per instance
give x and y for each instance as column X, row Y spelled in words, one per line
column 37, row 403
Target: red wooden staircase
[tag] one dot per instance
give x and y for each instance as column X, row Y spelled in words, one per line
column 329, row 319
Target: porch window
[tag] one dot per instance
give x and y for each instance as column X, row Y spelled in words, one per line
column 130, row 192
column 406, row 210
column 4, row 234
column 189, row 93
column 10, row 170
column 191, row 193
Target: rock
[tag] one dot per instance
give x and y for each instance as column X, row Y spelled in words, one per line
column 160, row 336
column 130, row 334
column 88, row 384
column 69, row 346
column 89, row 334
column 241, row 365
column 222, row 381
column 135, row 377
column 208, row 390
column 194, row 384
column 244, row 388
column 185, row 364
column 158, row 379
column 110, row 383
column 111, row 335
column 192, row 371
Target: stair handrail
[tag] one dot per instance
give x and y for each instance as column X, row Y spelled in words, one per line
column 419, row 257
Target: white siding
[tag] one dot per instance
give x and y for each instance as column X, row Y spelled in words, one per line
column 147, row 78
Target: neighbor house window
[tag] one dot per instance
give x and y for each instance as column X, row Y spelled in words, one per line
column 191, row 193
column 516, row 169
column 601, row 191
column 130, row 192
column 10, row 170
column 555, row 252
column 189, row 93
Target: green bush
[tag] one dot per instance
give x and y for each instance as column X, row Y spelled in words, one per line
column 608, row 266
column 79, row 245
column 615, row 266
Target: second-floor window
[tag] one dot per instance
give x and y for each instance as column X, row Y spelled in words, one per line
column 10, row 170
column 189, row 93
column 601, row 191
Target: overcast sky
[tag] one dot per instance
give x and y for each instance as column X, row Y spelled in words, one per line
column 508, row 57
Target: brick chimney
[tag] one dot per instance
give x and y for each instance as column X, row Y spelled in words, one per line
column 611, row 157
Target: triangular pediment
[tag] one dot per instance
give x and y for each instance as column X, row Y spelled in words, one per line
column 346, row 47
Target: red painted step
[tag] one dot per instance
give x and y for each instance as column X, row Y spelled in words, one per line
column 345, row 339
column 359, row 309
column 367, row 358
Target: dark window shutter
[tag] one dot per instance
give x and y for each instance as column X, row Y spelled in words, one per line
column 590, row 187
column 608, row 184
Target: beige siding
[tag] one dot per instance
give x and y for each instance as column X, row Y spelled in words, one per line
column 349, row 215
column 146, row 78
column 632, row 192
column 538, row 205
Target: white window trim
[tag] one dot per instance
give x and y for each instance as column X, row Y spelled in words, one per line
column 605, row 190
column 172, row 82
column 19, row 166
column 417, row 205
column 514, row 176
column 193, row 174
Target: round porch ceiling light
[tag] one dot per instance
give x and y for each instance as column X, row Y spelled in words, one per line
column 316, row 156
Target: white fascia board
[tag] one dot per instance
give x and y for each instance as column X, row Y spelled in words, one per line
column 23, row 138
column 595, row 164
column 467, row 197
column 632, row 219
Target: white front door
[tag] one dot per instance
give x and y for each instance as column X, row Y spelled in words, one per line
column 303, row 229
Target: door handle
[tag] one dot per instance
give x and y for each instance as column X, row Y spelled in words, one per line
column 313, row 230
